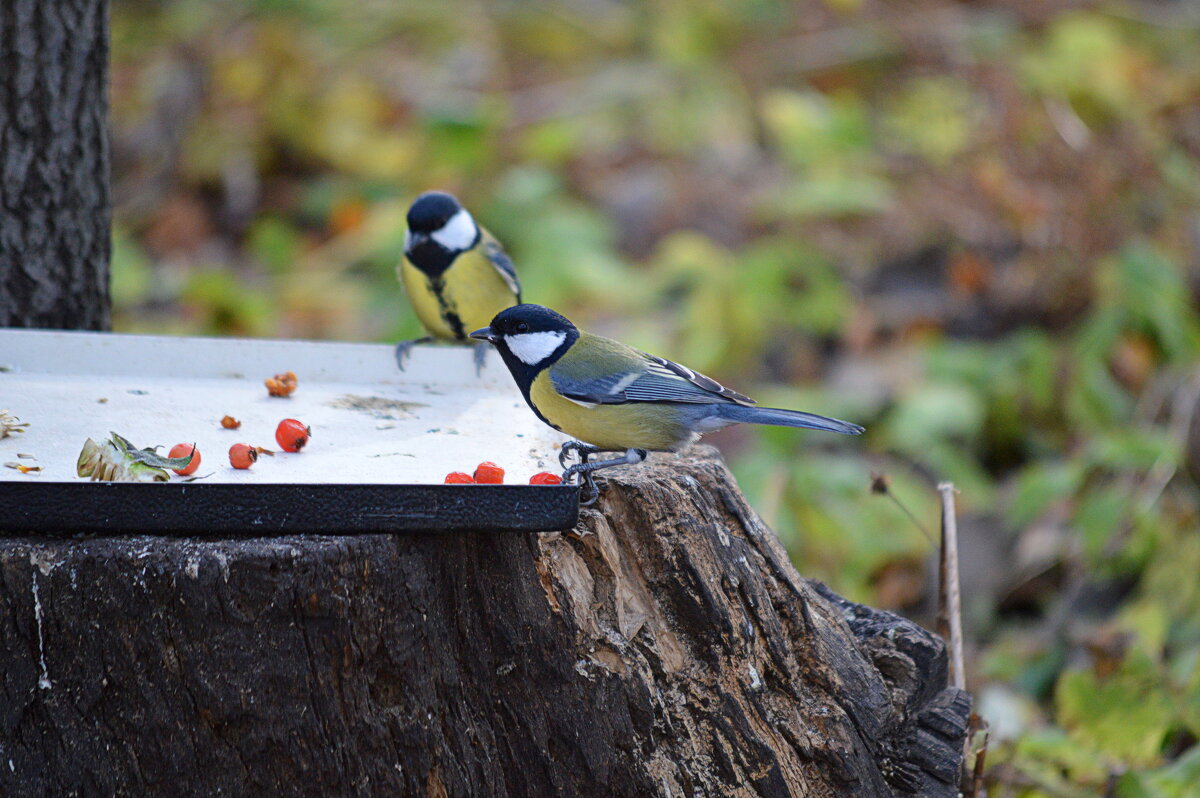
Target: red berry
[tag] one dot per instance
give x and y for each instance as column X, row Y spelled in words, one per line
column 488, row 473
column 183, row 450
column 459, row 478
column 242, row 456
column 291, row 435
column 545, row 478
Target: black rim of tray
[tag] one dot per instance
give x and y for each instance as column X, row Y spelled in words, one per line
column 281, row 509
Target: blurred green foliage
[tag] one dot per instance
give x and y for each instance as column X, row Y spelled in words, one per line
column 971, row 227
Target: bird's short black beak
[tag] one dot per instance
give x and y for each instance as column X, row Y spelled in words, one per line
column 483, row 334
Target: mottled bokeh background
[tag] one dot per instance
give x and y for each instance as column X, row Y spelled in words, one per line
column 971, row 226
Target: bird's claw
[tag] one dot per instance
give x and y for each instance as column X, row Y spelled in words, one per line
column 404, row 349
column 573, row 471
column 585, row 451
column 481, row 352
column 586, row 479
column 593, row 492
column 590, row 491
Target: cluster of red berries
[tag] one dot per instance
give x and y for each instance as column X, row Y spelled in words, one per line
column 488, row 473
column 291, row 435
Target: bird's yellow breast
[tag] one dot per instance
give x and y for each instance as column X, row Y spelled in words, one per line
column 652, row 426
column 471, row 291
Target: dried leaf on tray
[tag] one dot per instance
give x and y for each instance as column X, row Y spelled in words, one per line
column 118, row 460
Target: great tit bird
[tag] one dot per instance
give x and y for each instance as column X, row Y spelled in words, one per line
column 456, row 274
column 611, row 397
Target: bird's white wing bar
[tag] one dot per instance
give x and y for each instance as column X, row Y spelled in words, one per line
column 666, row 368
column 623, row 383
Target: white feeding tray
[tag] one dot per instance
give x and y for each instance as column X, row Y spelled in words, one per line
column 382, row 440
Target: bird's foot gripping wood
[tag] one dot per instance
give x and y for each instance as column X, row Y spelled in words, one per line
column 404, row 348
column 586, row 469
column 585, row 450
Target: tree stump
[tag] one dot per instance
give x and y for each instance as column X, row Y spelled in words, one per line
column 665, row 647
column 55, row 219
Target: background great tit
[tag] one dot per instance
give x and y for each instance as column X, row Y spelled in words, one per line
column 456, row 274
column 615, row 398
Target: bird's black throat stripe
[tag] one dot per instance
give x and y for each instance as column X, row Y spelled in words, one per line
column 431, row 257
column 446, row 309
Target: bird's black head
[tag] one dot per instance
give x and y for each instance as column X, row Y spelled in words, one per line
column 529, row 338
column 439, row 230
column 431, row 211
column 529, row 318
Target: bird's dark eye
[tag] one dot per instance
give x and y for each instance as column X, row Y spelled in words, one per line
column 522, row 327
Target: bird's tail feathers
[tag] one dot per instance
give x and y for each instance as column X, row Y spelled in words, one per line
column 786, row 418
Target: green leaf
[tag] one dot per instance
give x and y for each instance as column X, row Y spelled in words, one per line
column 933, row 117
column 1057, row 760
column 935, row 412
column 148, row 456
column 1133, row 449
column 1126, row 715
column 1041, row 484
column 1180, row 779
column 1099, row 513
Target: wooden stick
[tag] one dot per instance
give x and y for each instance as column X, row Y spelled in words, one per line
column 950, row 604
column 980, row 759
column 949, row 597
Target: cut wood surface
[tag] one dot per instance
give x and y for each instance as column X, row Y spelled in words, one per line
column 664, row 647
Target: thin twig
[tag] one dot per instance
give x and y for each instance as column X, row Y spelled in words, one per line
column 976, row 785
column 911, row 517
column 949, row 597
column 882, row 485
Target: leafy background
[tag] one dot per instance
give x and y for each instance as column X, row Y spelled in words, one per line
column 971, row 226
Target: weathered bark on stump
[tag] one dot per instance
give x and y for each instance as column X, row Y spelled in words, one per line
column 54, row 195
column 666, row 647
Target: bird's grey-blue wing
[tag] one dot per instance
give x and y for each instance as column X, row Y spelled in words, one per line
column 644, row 378
column 504, row 265
column 604, row 389
column 663, row 374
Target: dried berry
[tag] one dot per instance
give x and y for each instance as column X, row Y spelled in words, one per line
column 281, row 384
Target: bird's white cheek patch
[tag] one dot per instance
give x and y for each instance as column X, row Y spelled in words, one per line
column 458, row 233
column 532, row 348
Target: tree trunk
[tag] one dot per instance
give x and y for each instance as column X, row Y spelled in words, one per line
column 664, row 647
column 54, row 195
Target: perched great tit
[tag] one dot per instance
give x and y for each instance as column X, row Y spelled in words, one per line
column 611, row 397
column 456, row 274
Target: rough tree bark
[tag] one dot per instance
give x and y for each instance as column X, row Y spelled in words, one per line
column 54, row 195
column 664, row 647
